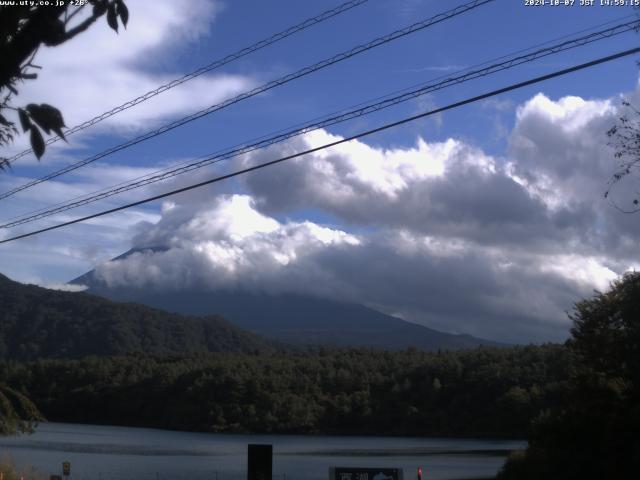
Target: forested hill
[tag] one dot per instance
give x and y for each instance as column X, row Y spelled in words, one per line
column 36, row 322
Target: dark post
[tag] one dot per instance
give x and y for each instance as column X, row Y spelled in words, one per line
column 260, row 462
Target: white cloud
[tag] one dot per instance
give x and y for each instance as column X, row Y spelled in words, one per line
column 441, row 233
column 65, row 287
column 454, row 286
column 498, row 104
column 559, row 148
column 351, row 179
column 448, row 235
column 226, row 244
column 589, row 272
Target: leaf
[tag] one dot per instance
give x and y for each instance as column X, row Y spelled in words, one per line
column 4, row 121
column 112, row 17
column 47, row 117
column 123, row 12
column 37, row 142
column 99, row 7
column 54, row 114
column 25, row 122
column 38, row 117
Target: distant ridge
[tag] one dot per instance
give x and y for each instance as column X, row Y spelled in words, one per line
column 36, row 322
column 292, row 318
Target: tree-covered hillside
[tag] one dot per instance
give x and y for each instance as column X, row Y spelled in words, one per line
column 37, row 322
column 481, row 392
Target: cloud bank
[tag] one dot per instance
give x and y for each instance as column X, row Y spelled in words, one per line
column 440, row 233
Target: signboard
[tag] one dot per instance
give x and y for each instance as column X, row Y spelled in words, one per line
column 66, row 468
column 259, row 462
column 364, row 473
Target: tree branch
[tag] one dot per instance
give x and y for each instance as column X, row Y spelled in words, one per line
column 69, row 34
column 69, row 17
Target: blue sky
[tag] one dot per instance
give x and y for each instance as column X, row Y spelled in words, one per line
column 541, row 224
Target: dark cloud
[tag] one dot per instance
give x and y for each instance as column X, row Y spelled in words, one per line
column 442, row 234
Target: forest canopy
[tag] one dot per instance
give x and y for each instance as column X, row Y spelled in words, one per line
column 481, row 392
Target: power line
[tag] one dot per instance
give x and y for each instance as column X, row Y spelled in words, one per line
column 335, row 143
column 332, row 120
column 205, row 69
column 348, row 115
column 258, row 90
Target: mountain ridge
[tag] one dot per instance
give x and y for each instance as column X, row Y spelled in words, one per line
column 291, row 318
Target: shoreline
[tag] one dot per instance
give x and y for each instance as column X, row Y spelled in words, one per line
column 477, row 437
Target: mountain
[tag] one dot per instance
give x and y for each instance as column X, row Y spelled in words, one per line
column 293, row 318
column 36, row 322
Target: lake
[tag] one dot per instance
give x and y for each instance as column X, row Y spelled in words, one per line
column 110, row 453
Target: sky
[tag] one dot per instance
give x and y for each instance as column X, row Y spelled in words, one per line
column 488, row 219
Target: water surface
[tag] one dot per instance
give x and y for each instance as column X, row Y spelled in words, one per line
column 110, row 453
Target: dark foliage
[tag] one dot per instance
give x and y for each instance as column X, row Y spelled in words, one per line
column 481, row 392
column 174, row 381
column 593, row 431
column 36, row 322
column 23, row 29
column 18, row 414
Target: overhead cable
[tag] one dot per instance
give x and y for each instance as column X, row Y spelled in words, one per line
column 326, row 122
column 202, row 70
column 335, row 143
column 258, row 90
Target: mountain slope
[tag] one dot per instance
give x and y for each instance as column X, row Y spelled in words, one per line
column 294, row 318
column 37, row 322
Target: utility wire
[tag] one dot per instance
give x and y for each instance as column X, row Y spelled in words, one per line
column 332, row 120
column 202, row 70
column 387, row 126
column 343, row 116
column 258, row 90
